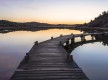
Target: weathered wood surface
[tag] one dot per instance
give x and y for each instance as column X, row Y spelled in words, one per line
column 48, row 61
column 66, row 37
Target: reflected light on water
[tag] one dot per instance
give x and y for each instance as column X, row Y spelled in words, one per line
column 14, row 46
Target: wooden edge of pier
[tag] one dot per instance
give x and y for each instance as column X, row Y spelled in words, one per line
column 48, row 60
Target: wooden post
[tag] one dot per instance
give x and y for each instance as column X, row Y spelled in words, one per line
column 82, row 38
column 36, row 42
column 61, row 35
column 92, row 36
column 26, row 57
column 72, row 40
column 71, row 33
column 69, row 57
column 51, row 37
column 67, row 42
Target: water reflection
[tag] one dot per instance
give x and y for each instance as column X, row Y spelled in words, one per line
column 14, row 46
column 92, row 56
column 93, row 59
column 4, row 31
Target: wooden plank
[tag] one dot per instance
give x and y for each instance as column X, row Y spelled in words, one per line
column 48, row 61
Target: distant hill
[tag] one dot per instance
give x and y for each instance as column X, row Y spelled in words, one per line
column 100, row 21
column 5, row 23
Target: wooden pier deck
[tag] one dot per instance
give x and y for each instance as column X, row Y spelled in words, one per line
column 48, row 61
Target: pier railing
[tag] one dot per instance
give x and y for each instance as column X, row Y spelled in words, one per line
column 71, row 41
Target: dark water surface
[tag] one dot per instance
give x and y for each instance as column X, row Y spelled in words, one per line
column 14, row 46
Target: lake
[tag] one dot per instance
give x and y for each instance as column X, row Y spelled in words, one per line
column 91, row 57
column 15, row 45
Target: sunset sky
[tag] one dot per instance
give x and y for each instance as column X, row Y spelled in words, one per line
column 52, row 11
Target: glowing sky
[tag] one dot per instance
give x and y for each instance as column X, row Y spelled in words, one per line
column 52, row 11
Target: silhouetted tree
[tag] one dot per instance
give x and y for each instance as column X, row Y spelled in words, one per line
column 100, row 21
column 104, row 13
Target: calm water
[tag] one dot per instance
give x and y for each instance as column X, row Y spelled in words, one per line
column 93, row 59
column 14, row 46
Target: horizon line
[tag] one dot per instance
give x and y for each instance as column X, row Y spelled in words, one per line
column 44, row 22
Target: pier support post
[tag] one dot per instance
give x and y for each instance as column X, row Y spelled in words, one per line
column 83, row 38
column 69, row 58
column 52, row 37
column 72, row 39
column 61, row 35
column 61, row 43
column 67, row 42
column 36, row 42
column 67, row 46
column 92, row 36
column 71, row 33
column 26, row 57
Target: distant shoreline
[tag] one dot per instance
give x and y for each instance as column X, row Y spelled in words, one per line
column 34, row 26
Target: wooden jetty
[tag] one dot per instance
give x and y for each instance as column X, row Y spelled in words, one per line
column 48, row 60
